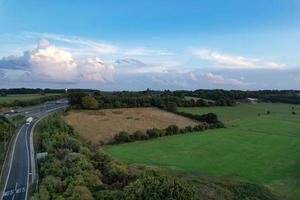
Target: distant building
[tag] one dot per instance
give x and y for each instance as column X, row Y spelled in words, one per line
column 249, row 100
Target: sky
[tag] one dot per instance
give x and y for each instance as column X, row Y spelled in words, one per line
column 139, row 44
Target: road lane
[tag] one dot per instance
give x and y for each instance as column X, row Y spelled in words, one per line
column 16, row 182
column 20, row 173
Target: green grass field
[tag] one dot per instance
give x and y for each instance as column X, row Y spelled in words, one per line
column 21, row 97
column 255, row 147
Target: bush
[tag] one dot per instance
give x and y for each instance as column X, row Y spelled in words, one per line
column 171, row 107
column 139, row 135
column 108, row 195
column 210, row 118
column 200, row 127
column 89, row 102
column 172, row 130
column 122, row 137
column 188, row 129
column 153, row 133
column 154, row 185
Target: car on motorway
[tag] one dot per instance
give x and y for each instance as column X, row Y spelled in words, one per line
column 29, row 120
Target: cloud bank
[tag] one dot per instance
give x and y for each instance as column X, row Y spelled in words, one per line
column 238, row 62
column 49, row 63
column 75, row 62
column 219, row 79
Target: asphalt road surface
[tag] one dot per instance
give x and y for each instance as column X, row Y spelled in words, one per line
column 19, row 174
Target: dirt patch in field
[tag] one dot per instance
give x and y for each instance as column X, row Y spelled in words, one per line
column 102, row 125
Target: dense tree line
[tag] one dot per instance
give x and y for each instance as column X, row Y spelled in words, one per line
column 170, row 99
column 11, row 91
column 30, row 91
column 124, row 137
column 283, row 96
column 73, row 170
column 135, row 100
column 31, row 102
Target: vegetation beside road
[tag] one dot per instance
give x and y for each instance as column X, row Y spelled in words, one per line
column 257, row 146
column 74, row 170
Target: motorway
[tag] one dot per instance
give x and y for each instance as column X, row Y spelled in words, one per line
column 20, row 171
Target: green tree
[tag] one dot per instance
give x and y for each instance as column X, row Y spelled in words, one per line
column 154, row 185
column 172, row 130
column 172, row 107
column 78, row 192
column 153, row 133
column 123, row 136
column 89, row 102
column 75, row 98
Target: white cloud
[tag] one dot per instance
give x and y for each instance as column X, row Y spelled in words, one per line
column 94, row 70
column 86, row 47
column 49, row 63
column 229, row 61
column 134, row 66
column 219, row 79
column 146, row 52
column 99, row 47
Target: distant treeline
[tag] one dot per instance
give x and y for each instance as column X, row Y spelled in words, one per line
column 11, row 91
column 32, row 102
column 169, row 100
column 162, row 99
column 283, row 96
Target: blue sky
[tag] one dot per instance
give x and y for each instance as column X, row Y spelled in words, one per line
column 134, row 45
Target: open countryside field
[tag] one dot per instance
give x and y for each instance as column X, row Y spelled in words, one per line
column 259, row 149
column 21, row 97
column 102, row 125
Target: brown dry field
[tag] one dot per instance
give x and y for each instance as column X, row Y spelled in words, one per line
column 102, row 125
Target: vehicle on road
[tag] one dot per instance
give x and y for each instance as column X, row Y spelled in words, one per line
column 29, row 120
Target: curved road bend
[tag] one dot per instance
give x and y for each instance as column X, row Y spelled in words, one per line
column 19, row 175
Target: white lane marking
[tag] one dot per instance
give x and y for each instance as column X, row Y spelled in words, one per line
column 27, row 160
column 15, row 191
column 11, row 161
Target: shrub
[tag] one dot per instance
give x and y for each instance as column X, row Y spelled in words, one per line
column 154, row 185
column 139, row 135
column 152, row 133
column 89, row 102
column 188, row 129
column 108, row 195
column 172, row 130
column 122, row 137
column 171, row 107
column 210, row 118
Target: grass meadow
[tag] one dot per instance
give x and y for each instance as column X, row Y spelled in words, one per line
column 21, row 97
column 255, row 147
